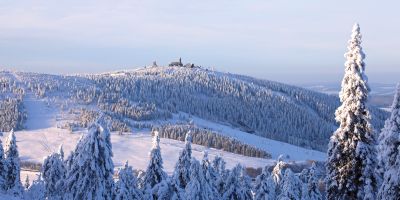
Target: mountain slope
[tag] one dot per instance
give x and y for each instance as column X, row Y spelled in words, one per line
column 269, row 109
column 265, row 108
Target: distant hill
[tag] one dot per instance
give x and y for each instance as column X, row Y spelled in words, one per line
column 269, row 109
column 381, row 94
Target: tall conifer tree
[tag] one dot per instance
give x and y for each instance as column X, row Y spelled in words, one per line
column 155, row 171
column 12, row 178
column 351, row 152
column 90, row 175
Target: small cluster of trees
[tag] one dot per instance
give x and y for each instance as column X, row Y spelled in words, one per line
column 211, row 139
column 87, row 173
column 9, row 167
column 12, row 111
column 10, row 86
column 12, row 114
column 86, row 117
column 137, row 112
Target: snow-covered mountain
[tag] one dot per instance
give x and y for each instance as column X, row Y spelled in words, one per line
column 146, row 97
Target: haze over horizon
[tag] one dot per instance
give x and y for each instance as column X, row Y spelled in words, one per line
column 291, row 42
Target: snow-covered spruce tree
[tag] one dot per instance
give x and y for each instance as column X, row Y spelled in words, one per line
column 13, row 183
column 181, row 172
column 139, row 179
column 27, row 183
column 194, row 188
column 3, row 169
column 37, row 190
column 389, row 157
column 209, row 174
column 198, row 188
column 53, row 172
column 61, row 152
column 90, row 175
column 69, row 161
column 218, row 166
column 164, row 191
column 125, row 187
column 155, row 170
column 278, row 173
column 351, row 152
column 291, row 186
column 246, row 183
column 310, row 189
column 235, row 188
column 264, row 187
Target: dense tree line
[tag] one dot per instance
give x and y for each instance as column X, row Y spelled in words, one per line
column 211, row 139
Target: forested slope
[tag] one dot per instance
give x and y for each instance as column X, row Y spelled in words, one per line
column 269, row 109
column 265, row 108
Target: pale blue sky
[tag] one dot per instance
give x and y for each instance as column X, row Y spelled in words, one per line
column 288, row 41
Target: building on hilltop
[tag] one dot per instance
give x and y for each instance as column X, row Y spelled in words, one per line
column 176, row 63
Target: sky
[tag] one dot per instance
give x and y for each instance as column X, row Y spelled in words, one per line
column 286, row 41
